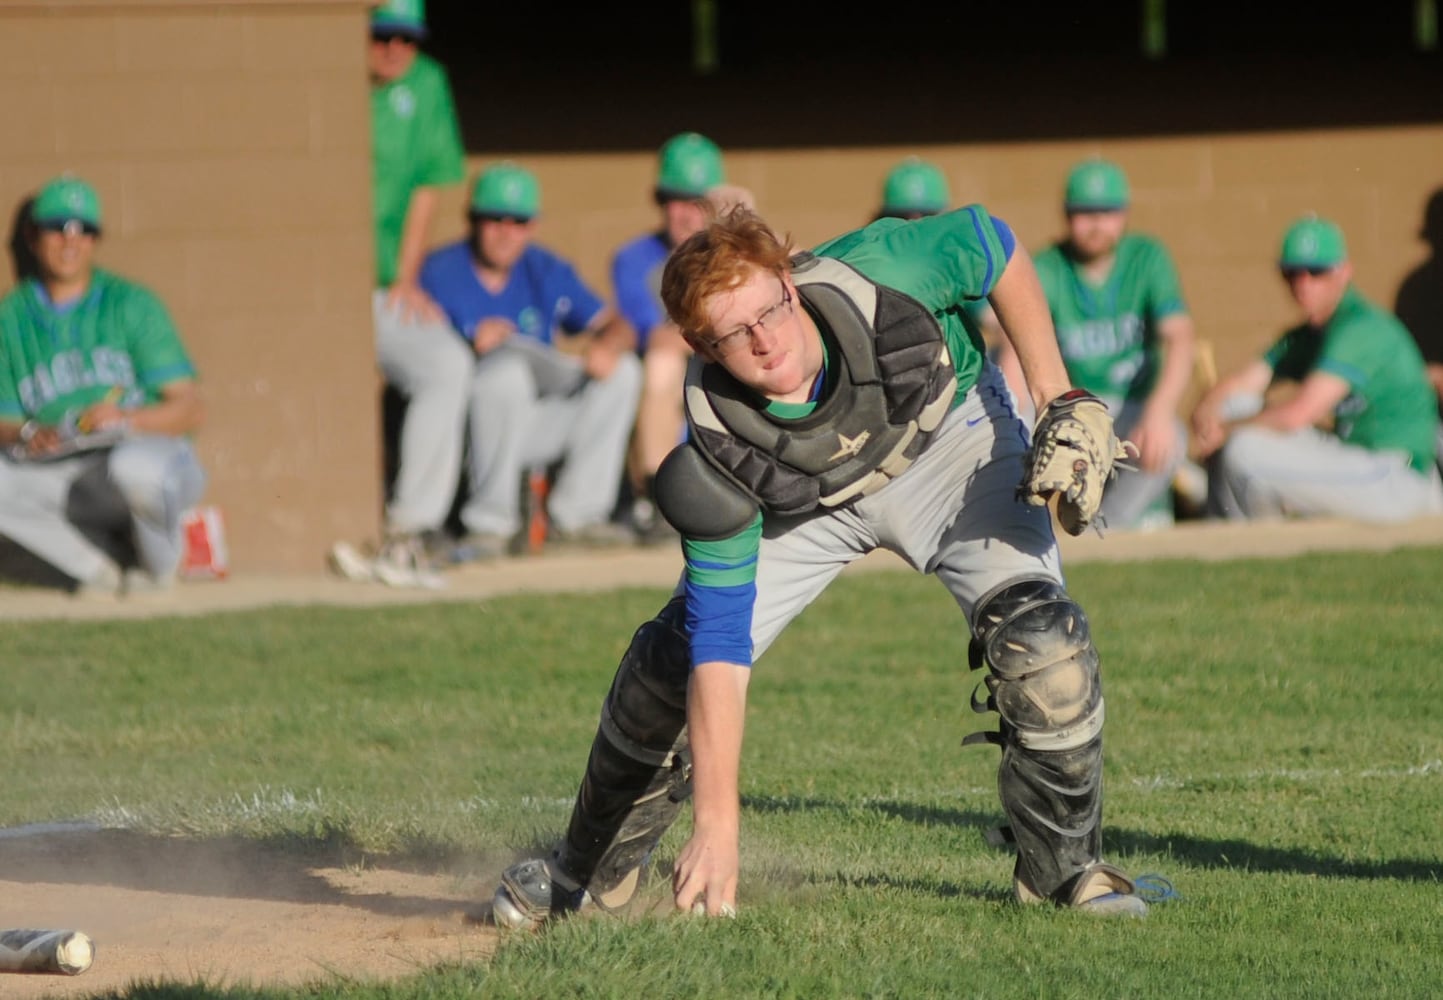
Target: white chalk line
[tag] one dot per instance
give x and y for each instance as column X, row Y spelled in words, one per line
column 1302, row 776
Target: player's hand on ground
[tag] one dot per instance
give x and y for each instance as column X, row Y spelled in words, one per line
column 491, row 333
column 706, row 874
column 1155, row 437
column 413, row 304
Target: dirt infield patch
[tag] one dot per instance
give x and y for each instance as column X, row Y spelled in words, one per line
column 234, row 912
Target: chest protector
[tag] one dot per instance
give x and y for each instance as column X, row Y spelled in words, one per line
column 892, row 383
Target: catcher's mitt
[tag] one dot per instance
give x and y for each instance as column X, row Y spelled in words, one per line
column 1072, row 457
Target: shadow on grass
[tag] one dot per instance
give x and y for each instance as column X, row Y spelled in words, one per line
column 280, row 869
column 1236, row 855
column 1240, row 855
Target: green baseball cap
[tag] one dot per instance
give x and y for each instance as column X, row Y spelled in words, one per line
column 688, row 166
column 64, row 198
column 912, row 186
column 1096, row 186
column 400, row 17
column 506, row 189
column 1312, row 242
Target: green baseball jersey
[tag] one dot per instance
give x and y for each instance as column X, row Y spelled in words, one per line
column 945, row 262
column 1391, row 405
column 415, row 142
column 1108, row 332
column 57, row 360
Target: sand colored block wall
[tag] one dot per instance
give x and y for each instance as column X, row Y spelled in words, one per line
column 230, row 145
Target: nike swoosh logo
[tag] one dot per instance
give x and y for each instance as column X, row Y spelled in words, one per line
column 976, row 420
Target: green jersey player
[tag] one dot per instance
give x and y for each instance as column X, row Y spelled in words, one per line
column 98, row 400
column 1358, row 373
column 1125, row 334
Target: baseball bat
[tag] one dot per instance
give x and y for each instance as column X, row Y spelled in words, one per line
column 67, row 953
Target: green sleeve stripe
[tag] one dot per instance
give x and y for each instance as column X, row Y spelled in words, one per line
column 726, row 562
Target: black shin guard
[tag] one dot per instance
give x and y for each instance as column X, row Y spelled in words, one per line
column 1053, row 801
column 1044, row 682
column 639, row 771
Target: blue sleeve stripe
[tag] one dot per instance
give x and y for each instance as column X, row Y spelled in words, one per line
column 169, row 373
column 719, row 620
column 986, row 250
column 1355, row 377
column 11, row 410
column 712, row 564
column 1005, row 234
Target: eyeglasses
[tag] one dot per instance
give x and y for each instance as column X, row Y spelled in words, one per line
column 768, row 321
column 1289, row 273
column 68, row 227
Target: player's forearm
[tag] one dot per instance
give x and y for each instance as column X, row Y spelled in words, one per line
column 414, row 235
column 1022, row 311
column 716, row 703
column 1179, row 353
column 10, row 432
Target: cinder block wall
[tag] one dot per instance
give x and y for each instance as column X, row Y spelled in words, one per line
column 230, row 144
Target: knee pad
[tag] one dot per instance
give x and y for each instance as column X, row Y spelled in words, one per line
column 1043, row 675
column 639, row 771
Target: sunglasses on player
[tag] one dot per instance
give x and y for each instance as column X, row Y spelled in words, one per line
column 387, row 37
column 519, row 220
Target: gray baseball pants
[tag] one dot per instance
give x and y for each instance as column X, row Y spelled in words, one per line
column 1262, row 473
column 145, row 482
column 534, row 406
column 954, row 514
column 430, row 365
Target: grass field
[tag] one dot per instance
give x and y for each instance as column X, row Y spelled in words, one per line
column 1274, row 749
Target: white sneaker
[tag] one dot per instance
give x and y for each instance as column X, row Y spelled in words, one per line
column 349, row 564
column 402, row 563
column 1101, row 890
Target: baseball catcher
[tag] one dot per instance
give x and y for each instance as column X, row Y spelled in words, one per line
column 840, row 401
